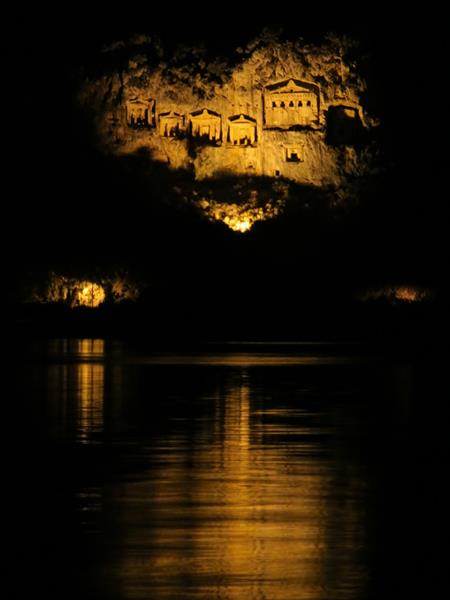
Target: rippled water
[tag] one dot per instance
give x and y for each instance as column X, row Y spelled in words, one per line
column 304, row 474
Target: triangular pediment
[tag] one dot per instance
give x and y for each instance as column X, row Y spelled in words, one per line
column 138, row 102
column 291, row 86
column 205, row 112
column 171, row 115
column 242, row 119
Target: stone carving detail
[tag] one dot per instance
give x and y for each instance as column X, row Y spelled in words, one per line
column 293, row 154
column 171, row 124
column 140, row 112
column 278, row 111
column 290, row 103
column 242, row 130
column 205, row 124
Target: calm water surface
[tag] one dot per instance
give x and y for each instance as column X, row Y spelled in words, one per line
column 294, row 474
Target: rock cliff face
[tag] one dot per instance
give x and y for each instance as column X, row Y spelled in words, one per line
column 284, row 110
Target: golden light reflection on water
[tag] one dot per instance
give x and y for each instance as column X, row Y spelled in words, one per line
column 77, row 389
column 84, row 348
column 94, row 348
column 233, row 481
column 247, row 359
column 90, row 395
column 246, row 510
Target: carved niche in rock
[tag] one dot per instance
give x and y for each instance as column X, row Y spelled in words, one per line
column 293, row 154
column 344, row 125
column 242, row 130
column 290, row 103
column 205, row 124
column 140, row 113
column 171, row 124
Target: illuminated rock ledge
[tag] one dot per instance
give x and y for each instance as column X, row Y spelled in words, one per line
column 278, row 109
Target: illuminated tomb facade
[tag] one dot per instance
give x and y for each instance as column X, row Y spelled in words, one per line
column 171, row 124
column 282, row 112
column 242, row 130
column 205, row 124
column 277, row 131
column 291, row 103
column 139, row 113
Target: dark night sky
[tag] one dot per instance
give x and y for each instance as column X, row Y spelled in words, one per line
column 66, row 202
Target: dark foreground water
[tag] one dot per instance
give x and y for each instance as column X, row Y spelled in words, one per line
column 295, row 473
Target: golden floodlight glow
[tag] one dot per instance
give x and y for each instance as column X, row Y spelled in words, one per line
column 398, row 294
column 76, row 292
column 90, row 294
column 242, row 226
column 240, row 218
column 407, row 294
